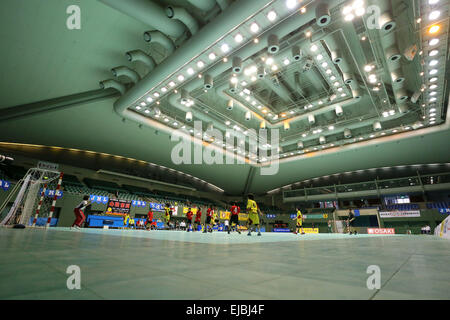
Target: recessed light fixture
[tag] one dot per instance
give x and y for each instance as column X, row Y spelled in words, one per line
column 291, row 4
column 314, row 48
column 156, row 94
column 149, row 99
column 433, row 53
column 434, row 29
column 433, row 63
column 164, row 89
column 238, row 38
column 225, row 48
column 433, row 42
column 171, row 84
column 272, row 15
column 212, row 56
column 433, row 71
column 190, row 71
column 200, row 64
column 254, row 27
column 434, row 15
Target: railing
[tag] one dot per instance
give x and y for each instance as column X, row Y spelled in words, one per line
column 420, row 181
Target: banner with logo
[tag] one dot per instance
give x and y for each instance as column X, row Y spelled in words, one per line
column 381, row 231
column 47, row 165
column 243, row 217
column 51, row 193
column 224, row 215
column 98, row 199
column 443, row 230
column 444, row 210
column 271, row 216
column 4, row 185
column 156, row 206
column 400, row 214
column 118, row 207
column 186, row 209
column 315, row 216
column 139, row 203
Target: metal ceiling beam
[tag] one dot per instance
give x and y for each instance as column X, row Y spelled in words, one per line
column 56, row 104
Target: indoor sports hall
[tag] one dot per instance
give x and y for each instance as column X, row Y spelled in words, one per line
column 224, row 150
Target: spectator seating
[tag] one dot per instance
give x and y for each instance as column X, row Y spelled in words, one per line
column 403, row 207
column 438, row 205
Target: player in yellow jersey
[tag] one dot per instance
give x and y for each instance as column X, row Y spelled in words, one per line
column 253, row 214
column 299, row 219
column 167, row 213
column 214, row 218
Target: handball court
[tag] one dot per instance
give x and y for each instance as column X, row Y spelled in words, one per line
column 125, row 264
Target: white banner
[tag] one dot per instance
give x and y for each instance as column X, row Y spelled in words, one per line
column 47, row 165
column 400, row 214
column 443, row 230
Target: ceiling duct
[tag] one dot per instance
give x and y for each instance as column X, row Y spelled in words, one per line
column 311, row 119
column 286, row 126
column 181, row 14
column 349, row 79
column 356, row 94
column 386, row 22
column 339, row 111
column 261, row 72
column 403, row 108
column 322, row 140
column 273, row 44
column 230, row 104
column 248, row 116
column 126, row 72
column 397, row 76
column 154, row 36
column 401, row 95
column 377, row 126
column 189, row 116
column 184, row 96
column 233, row 87
column 323, row 17
column 297, row 53
column 237, row 64
column 336, row 56
column 393, row 54
column 300, row 145
column 139, row 55
column 110, row 83
column 347, row 133
column 208, row 82
column 150, row 13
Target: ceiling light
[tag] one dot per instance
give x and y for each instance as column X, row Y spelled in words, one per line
column 433, row 99
column 349, row 17
column 433, row 42
column 432, row 114
column 269, row 61
column 432, row 109
column 433, row 53
column 433, row 86
column 234, row 80
column 332, row 78
column 360, row 12
column 434, row 15
column 200, row 64
column 433, row 71
column 331, row 128
column 190, row 71
column 212, row 56
column 156, row 94
column 147, row 111
column 324, row 65
column 368, row 68
column 164, row 89
column 166, row 120
column 329, row 71
column 291, row 4
column 238, row 38
column 171, row 84
column 434, row 29
column 314, row 48
column 149, row 99
column 138, row 108
column 272, row 15
column 433, row 63
column 274, row 67
column 319, row 57
column 433, row 93
column 225, row 48
column 254, row 27
column 180, row 77
column 286, row 61
column 227, row 123
column 431, row 2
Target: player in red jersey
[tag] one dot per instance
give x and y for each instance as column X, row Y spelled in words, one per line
column 189, row 215
column 209, row 214
column 198, row 219
column 234, row 219
column 148, row 223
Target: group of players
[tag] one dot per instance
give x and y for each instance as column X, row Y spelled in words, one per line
column 232, row 224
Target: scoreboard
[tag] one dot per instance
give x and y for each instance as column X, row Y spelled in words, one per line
column 118, row 207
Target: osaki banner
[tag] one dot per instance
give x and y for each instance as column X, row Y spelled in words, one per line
column 400, row 214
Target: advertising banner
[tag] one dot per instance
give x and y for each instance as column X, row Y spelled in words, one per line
column 444, row 210
column 185, row 210
column 381, row 231
column 98, row 199
column 138, row 203
column 315, row 216
column 400, row 214
column 224, row 215
column 118, row 207
column 4, row 185
column 157, row 206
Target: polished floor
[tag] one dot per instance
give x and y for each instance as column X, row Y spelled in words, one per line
column 118, row 264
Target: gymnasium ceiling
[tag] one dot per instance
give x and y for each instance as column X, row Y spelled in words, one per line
column 343, row 95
